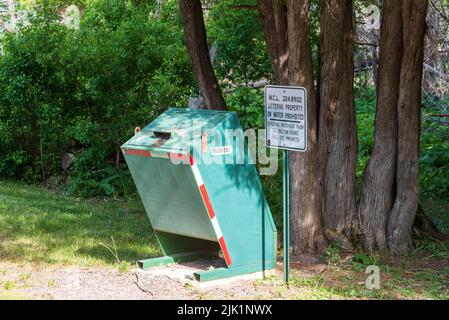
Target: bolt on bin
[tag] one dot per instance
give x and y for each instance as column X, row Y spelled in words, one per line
column 201, row 201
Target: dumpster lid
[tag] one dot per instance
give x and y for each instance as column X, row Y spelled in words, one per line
column 186, row 119
column 170, row 130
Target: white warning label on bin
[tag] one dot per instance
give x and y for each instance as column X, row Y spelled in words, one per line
column 220, row 151
column 286, row 117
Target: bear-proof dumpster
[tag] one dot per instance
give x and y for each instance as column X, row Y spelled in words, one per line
column 201, row 191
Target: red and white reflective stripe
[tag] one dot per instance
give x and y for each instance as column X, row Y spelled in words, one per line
column 206, row 200
column 136, row 152
column 178, row 157
column 225, row 251
column 157, row 154
column 148, row 154
column 216, row 227
column 210, row 212
column 197, row 175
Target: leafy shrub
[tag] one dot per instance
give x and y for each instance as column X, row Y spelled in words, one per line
column 362, row 260
column 434, row 147
column 33, row 87
column 248, row 103
column 84, row 91
column 241, row 49
column 332, row 254
column 434, row 160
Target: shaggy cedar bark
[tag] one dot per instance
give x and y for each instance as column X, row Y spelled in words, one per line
column 337, row 136
column 377, row 195
column 281, row 24
column 196, row 42
column 406, row 203
column 307, row 234
column 273, row 16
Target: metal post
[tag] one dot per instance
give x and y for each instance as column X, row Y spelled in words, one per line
column 286, row 191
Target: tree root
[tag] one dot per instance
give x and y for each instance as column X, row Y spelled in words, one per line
column 424, row 227
column 344, row 242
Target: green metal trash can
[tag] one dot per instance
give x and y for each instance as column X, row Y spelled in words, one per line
column 201, row 200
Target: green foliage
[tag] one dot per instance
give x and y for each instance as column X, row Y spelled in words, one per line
column 33, row 4
column 241, row 49
column 272, row 186
column 33, row 91
column 9, row 285
column 366, row 109
column 439, row 250
column 362, row 260
column 434, row 161
column 248, row 103
column 434, row 147
column 366, row 105
column 332, row 253
column 84, row 91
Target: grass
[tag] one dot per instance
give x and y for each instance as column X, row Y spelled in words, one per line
column 423, row 274
column 41, row 226
column 9, row 285
column 406, row 278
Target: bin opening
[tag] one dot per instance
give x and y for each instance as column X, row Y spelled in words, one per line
column 162, row 138
column 162, row 135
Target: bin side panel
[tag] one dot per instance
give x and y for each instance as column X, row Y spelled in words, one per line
column 171, row 197
column 243, row 214
column 240, row 206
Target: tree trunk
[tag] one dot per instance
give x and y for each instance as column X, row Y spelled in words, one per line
column 281, row 24
column 12, row 16
column 160, row 8
column 374, row 38
column 337, row 136
column 196, row 42
column 307, row 234
column 378, row 181
column 409, row 113
column 273, row 16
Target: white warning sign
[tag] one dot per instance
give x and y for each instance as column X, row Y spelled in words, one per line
column 220, row 151
column 286, row 117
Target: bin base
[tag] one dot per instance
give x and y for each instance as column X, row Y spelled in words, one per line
column 174, row 258
column 207, row 275
column 223, row 273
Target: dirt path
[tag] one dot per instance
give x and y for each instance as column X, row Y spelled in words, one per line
column 173, row 282
column 425, row 278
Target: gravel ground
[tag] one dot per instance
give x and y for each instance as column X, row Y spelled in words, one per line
column 31, row 281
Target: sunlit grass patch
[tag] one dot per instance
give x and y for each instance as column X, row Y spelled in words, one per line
column 38, row 225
